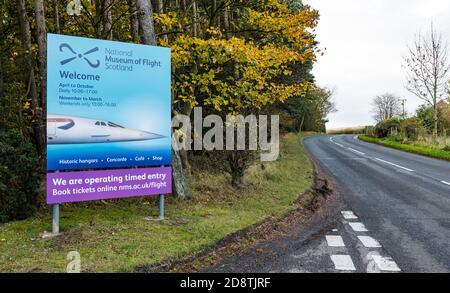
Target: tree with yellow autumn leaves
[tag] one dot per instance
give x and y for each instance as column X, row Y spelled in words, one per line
column 228, row 56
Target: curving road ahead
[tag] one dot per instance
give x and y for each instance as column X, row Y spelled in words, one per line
column 400, row 204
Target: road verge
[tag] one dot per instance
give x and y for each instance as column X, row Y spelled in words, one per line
column 424, row 151
column 113, row 236
column 310, row 217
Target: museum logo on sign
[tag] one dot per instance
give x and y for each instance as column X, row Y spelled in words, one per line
column 86, row 56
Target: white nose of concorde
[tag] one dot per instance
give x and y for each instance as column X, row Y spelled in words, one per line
column 146, row 135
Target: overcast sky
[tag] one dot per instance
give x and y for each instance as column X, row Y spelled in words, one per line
column 365, row 43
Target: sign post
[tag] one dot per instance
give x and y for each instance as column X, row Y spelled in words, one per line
column 55, row 222
column 161, row 207
column 109, row 111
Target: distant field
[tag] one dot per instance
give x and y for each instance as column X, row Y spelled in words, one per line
column 112, row 236
column 355, row 130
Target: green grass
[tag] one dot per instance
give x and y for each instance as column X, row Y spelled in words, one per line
column 421, row 150
column 112, row 236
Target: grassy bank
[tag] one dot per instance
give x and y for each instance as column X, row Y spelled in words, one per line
column 421, row 150
column 114, row 236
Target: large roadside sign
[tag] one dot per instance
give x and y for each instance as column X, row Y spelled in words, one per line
column 108, row 106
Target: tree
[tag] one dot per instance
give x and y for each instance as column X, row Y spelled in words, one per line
column 428, row 70
column 56, row 16
column 41, row 37
column 134, row 20
column 228, row 56
column 385, row 107
column 145, row 14
column 245, row 70
column 426, row 114
column 445, row 116
column 149, row 38
column 107, row 19
column 39, row 132
column 1, row 77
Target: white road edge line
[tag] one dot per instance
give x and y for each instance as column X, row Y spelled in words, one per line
column 395, row 165
column 338, row 144
column 355, row 151
column 335, row 241
column 445, row 182
column 343, row 262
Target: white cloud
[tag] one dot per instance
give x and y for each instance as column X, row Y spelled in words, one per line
column 366, row 41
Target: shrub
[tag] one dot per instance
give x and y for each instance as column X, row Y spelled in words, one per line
column 410, row 127
column 369, row 130
column 15, row 109
column 19, row 177
column 385, row 127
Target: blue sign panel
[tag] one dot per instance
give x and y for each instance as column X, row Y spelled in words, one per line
column 108, row 104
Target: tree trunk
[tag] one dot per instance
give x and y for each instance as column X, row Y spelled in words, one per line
column 56, row 16
column 134, row 20
column 1, row 76
column 179, row 179
column 237, row 179
column 226, row 22
column 194, row 18
column 145, row 14
column 107, row 19
column 301, row 123
column 161, row 10
column 149, row 38
column 183, row 6
column 237, row 163
column 39, row 130
column 41, row 38
column 1, row 60
column 435, row 123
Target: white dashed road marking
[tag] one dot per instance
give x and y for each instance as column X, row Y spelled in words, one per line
column 348, row 215
column 358, row 227
column 445, row 182
column 343, row 262
column 355, row 151
column 335, row 241
column 395, row 165
column 385, row 263
column 369, row 242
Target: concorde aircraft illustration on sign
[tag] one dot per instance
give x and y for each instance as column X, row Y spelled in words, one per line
column 62, row 129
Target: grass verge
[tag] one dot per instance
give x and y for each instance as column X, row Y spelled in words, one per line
column 112, row 236
column 425, row 151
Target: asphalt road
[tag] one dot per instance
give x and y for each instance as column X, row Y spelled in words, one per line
column 393, row 216
column 402, row 199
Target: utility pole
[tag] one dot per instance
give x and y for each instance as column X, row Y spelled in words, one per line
column 403, row 101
